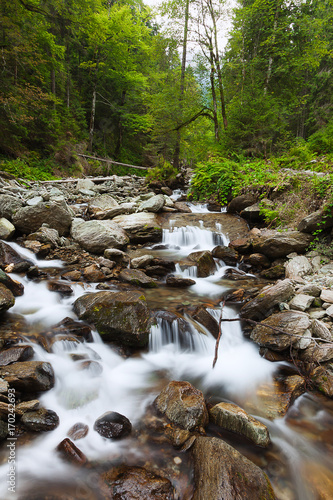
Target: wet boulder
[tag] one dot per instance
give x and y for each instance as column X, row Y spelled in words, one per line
column 98, row 235
column 46, row 235
column 9, row 256
column 71, row 453
column 266, row 301
column 233, row 418
column 131, row 483
column 205, row 263
column 14, row 286
column 113, row 425
column 29, row 376
column 137, row 277
column 296, row 326
column 93, row 273
column 16, row 353
column 183, row 405
column 78, row 431
column 275, row 244
column 142, row 261
column 220, row 471
column 177, row 282
column 30, row 219
column 202, row 316
column 120, row 317
column 322, row 376
column 7, row 299
column 141, row 227
column 40, row 420
column 227, row 254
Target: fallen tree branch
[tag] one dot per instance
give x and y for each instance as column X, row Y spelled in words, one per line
column 107, row 160
column 219, row 336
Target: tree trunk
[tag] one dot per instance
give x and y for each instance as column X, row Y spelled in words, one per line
column 92, row 120
column 212, row 83
column 270, row 59
column 182, row 85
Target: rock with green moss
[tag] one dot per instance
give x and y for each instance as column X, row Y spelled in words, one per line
column 119, row 317
column 7, row 299
column 137, row 277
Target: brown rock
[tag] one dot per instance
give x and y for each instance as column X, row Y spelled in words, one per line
column 78, row 431
column 274, row 244
column 40, row 420
column 16, row 353
column 183, row 404
column 221, row 472
column 72, row 276
column 71, row 453
column 135, row 483
column 137, row 277
column 240, row 202
column 7, row 299
column 14, row 286
column 265, row 302
column 176, row 282
column 30, row 376
column 205, row 263
column 241, row 245
column 233, row 418
column 54, row 286
column 93, row 273
column 202, row 316
column 113, row 425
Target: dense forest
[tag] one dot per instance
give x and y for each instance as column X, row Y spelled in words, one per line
column 103, row 77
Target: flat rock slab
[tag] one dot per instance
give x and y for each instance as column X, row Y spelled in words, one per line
column 137, row 277
column 298, row 267
column 276, row 244
column 296, row 324
column 327, row 296
column 16, row 353
column 263, row 305
column 141, row 227
column 120, row 317
column 233, row 418
column 98, row 235
column 30, row 376
column 232, row 226
column 221, row 472
column 301, row 302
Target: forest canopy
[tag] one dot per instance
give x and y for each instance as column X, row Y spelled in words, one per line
column 102, row 77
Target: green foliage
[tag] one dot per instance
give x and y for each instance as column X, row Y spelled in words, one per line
column 164, row 171
column 322, row 141
column 35, row 170
column 215, row 176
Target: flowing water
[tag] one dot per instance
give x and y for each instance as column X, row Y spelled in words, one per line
column 128, row 386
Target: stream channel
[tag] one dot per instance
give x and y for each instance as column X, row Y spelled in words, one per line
column 299, row 460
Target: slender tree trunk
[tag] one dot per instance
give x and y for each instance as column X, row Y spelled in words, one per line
column 120, row 128
column 270, row 59
column 212, row 83
column 92, row 120
column 218, row 65
column 182, row 85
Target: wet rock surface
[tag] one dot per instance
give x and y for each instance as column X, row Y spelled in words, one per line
column 113, row 425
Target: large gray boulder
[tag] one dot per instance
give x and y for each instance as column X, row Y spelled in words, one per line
column 140, row 227
column 120, row 317
column 29, row 219
column 295, row 324
column 9, row 205
column 183, row 405
column 6, row 229
column 221, row 472
column 205, row 263
column 98, row 235
column 274, row 244
column 154, row 204
column 102, row 203
column 267, row 300
column 241, row 202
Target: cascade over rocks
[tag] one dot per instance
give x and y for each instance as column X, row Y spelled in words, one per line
column 120, row 317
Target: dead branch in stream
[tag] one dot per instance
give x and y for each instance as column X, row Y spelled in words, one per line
column 219, row 336
column 278, row 330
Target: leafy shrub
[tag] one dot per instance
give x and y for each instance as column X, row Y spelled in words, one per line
column 216, row 176
column 164, row 171
column 33, row 169
column 322, row 141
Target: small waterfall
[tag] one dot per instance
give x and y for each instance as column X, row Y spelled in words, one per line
column 191, row 238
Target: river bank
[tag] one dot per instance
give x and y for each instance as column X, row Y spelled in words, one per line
column 165, row 273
